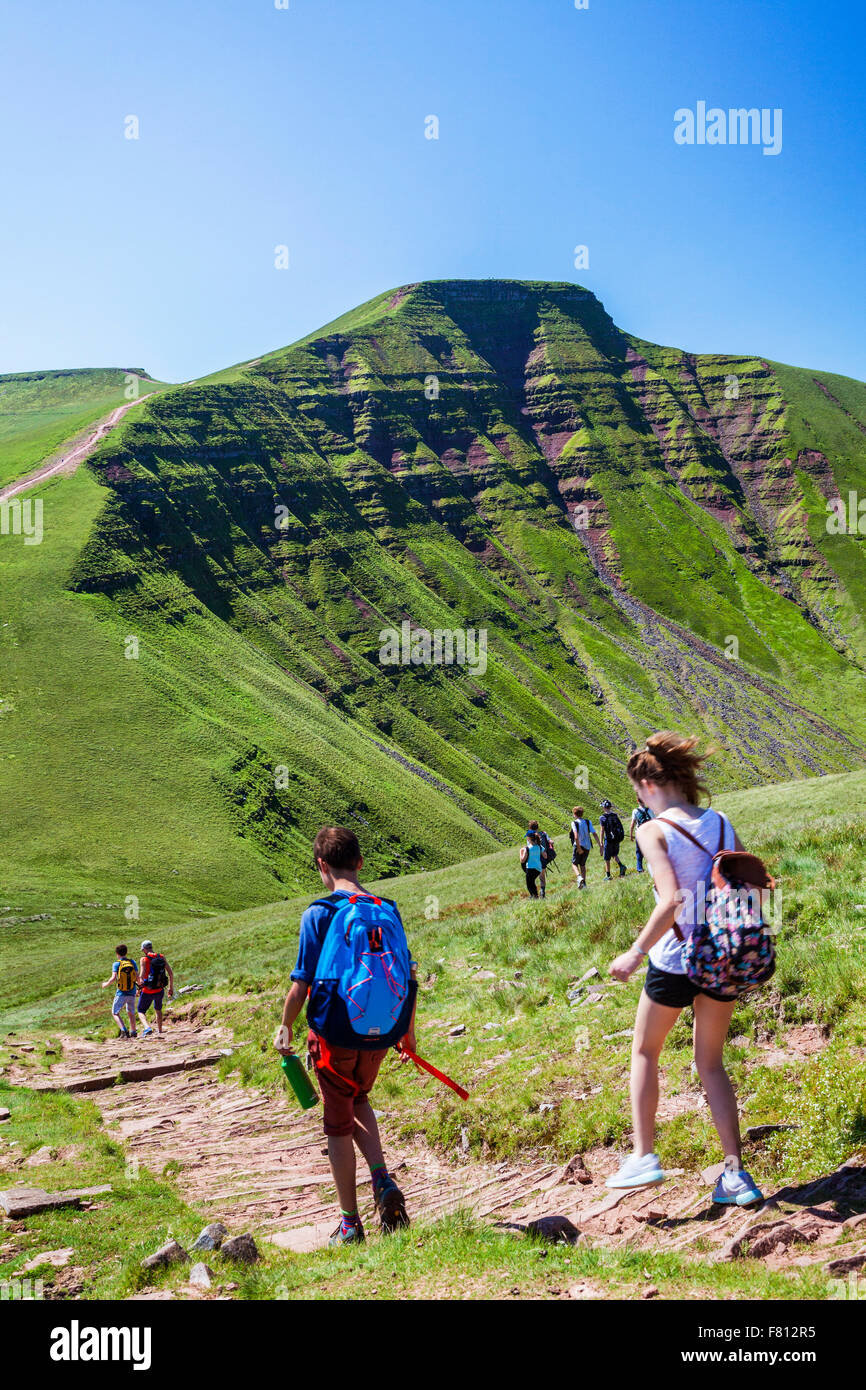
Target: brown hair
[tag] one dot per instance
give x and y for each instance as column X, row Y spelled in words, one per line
column 533, row 825
column 669, row 757
column 577, row 811
column 338, row 846
column 120, row 950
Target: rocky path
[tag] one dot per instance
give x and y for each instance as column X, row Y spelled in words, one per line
column 256, row 1162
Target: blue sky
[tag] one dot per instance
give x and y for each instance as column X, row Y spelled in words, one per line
column 305, row 127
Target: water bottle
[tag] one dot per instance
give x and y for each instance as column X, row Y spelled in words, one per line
column 300, row 1083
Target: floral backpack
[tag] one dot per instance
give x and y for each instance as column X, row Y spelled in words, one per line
column 730, row 950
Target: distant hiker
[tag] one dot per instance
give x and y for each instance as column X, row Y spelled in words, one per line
column 639, row 816
column 349, row 940
column 612, row 836
column 154, row 974
column 679, row 845
column 548, row 852
column 581, row 835
column 532, row 863
column 124, row 976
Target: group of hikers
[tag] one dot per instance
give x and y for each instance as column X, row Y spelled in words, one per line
column 357, row 977
column 146, row 982
column 539, row 851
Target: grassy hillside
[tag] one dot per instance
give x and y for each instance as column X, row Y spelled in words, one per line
column 40, row 411
column 641, row 547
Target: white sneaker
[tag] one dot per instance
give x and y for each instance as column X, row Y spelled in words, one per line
column 638, row 1171
column 736, row 1187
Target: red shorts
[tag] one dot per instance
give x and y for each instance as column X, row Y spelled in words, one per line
column 346, row 1076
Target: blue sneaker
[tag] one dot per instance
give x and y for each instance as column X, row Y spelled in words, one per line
column 347, row 1235
column 638, row 1171
column 736, row 1187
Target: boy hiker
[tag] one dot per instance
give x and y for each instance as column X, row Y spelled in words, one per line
column 581, row 835
column 612, row 836
column 123, row 976
column 548, row 852
column 359, row 980
column 155, row 973
column 639, row 816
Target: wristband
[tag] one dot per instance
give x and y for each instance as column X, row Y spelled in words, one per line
column 641, row 950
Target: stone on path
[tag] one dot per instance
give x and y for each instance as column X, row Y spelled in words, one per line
column 18, row 1202
column 211, row 1238
column 241, row 1248
column 844, row 1266
column 170, row 1253
column 302, row 1240
column 44, row 1155
column 5, row 1114
column 57, row 1258
column 575, row 1171
column 555, row 1228
column 758, row 1132
column 202, row 1275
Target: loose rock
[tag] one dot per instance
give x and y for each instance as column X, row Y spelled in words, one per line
column 241, row 1248
column 170, row 1253
column 202, row 1275
column 211, row 1238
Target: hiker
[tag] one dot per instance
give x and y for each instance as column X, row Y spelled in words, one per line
column 581, row 835
column 342, row 937
column 639, row 816
column 154, row 974
column 678, row 845
column 532, row 863
column 612, row 836
column 548, row 852
column 124, row 976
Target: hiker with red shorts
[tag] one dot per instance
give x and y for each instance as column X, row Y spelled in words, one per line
column 356, row 976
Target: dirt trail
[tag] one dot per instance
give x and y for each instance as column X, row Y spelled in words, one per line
column 256, row 1162
column 69, row 462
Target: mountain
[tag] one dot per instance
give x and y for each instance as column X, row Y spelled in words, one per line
column 640, row 532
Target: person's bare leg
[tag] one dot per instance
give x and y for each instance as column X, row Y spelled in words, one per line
column 130, row 1009
column 341, row 1156
column 712, row 1021
column 651, row 1027
column 158, row 1013
column 366, row 1135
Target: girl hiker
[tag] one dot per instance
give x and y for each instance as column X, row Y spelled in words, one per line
column 678, row 844
column 532, row 863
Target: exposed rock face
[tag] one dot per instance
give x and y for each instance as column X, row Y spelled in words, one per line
column 640, row 531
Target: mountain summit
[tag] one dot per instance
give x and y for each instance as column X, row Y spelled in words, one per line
column 640, row 533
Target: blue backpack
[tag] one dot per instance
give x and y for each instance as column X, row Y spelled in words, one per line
column 363, row 993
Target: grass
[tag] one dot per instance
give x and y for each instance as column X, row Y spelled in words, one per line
column 42, row 411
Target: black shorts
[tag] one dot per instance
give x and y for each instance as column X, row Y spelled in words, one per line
column 145, row 1001
column 674, row 991
column 579, row 856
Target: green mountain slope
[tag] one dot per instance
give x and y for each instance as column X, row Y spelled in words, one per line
column 40, row 411
column 639, row 532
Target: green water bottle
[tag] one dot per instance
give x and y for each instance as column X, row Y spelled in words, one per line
column 300, row 1083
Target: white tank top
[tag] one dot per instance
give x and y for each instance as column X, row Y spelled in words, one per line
column 692, row 869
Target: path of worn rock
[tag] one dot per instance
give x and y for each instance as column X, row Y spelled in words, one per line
column 256, row 1162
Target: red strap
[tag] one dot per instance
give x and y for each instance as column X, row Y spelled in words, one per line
column 323, row 1063
column 369, row 897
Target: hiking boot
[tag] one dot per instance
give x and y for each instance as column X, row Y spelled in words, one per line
column 351, row 1235
column 390, row 1205
column 581, row 884
column 622, row 871
column 736, row 1187
column 643, row 1171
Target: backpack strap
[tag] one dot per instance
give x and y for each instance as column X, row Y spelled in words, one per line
column 695, row 841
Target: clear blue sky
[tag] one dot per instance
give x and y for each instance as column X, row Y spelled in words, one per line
column 305, row 127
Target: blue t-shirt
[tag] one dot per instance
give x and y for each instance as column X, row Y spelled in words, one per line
column 314, row 928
